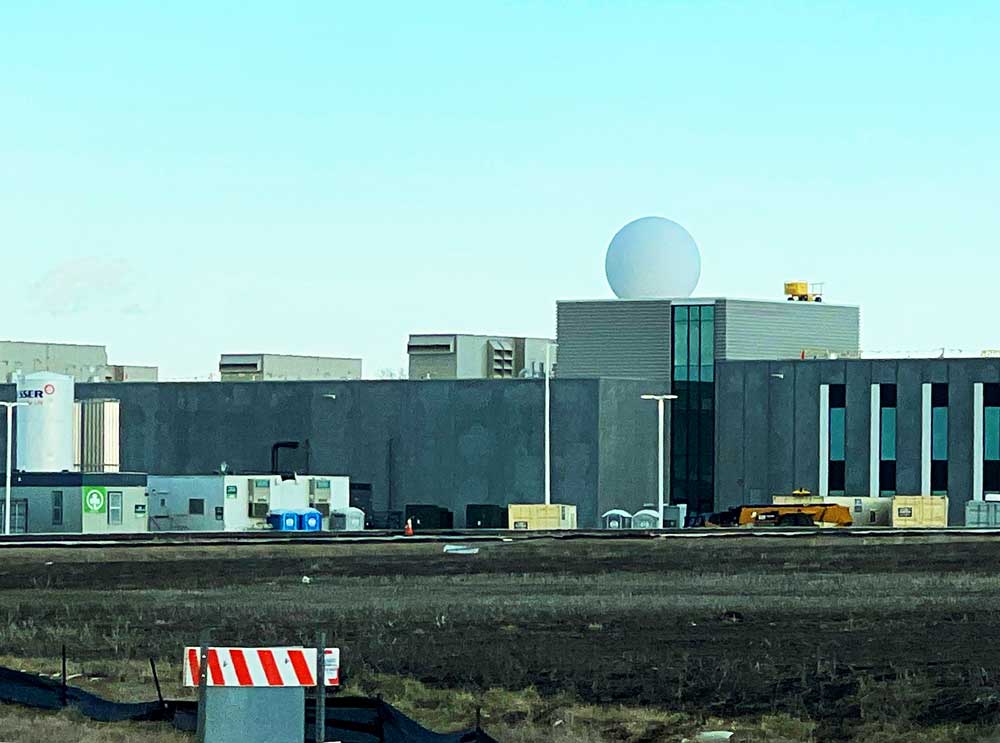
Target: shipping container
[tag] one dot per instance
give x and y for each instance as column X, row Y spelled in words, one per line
column 982, row 513
column 485, row 516
column 425, row 516
column 540, row 516
column 919, row 511
column 865, row 511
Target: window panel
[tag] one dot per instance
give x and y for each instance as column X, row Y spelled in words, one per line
column 888, row 434
column 694, row 351
column 114, row 508
column 838, row 396
column 57, row 508
column 887, row 478
column 196, row 506
column 991, row 426
column 939, row 434
column 707, row 339
column 939, row 395
column 680, row 337
column 837, row 434
column 939, row 477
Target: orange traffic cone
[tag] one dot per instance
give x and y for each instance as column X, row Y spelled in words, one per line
column 408, row 529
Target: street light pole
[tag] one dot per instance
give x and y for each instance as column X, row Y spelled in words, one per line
column 10, row 446
column 660, row 404
column 548, row 429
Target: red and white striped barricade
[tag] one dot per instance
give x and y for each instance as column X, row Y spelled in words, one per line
column 261, row 667
column 257, row 695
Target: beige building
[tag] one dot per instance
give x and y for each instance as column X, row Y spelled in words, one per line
column 459, row 356
column 83, row 363
column 260, row 367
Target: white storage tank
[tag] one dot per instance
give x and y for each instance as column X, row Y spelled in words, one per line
column 45, row 422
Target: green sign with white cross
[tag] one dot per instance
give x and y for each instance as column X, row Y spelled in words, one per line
column 95, row 500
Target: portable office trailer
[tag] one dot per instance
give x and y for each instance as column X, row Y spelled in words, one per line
column 238, row 502
column 76, row 503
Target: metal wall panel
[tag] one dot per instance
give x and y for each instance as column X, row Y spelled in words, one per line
column 756, row 330
column 625, row 338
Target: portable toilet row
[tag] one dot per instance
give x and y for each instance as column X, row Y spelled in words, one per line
column 674, row 517
column 299, row 519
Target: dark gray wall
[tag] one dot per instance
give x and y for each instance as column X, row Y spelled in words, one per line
column 628, row 454
column 768, row 424
column 446, row 442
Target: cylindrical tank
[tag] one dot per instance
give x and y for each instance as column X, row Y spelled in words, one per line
column 45, row 422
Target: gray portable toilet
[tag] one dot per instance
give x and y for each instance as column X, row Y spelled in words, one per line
column 645, row 519
column 674, row 517
column 347, row 519
column 616, row 518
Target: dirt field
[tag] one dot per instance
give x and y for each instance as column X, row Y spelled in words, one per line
column 852, row 635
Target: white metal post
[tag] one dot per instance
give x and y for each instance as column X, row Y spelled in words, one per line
column 10, row 446
column 548, row 430
column 660, row 405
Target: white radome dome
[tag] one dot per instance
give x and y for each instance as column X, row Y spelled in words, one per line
column 653, row 258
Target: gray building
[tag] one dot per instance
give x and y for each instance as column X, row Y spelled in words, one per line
column 859, row 428
column 83, row 363
column 463, row 356
column 450, row 443
column 677, row 345
column 76, row 503
column 259, row 367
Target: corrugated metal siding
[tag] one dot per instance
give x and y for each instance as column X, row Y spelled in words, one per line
column 782, row 330
column 614, row 339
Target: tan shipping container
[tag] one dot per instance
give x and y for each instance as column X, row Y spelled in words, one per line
column 919, row 511
column 538, row 516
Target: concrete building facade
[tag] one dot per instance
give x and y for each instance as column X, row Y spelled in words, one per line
column 450, row 443
column 676, row 345
column 863, row 428
column 82, row 362
column 259, row 367
column 463, row 356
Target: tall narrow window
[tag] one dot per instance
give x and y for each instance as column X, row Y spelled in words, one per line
column 939, row 439
column 887, row 439
column 836, row 472
column 991, row 438
column 692, row 417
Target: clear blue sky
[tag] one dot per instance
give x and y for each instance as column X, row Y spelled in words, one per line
column 183, row 179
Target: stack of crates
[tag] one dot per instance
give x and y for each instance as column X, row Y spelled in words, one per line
column 919, row 511
column 537, row 516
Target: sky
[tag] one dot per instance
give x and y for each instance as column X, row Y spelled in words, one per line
column 180, row 180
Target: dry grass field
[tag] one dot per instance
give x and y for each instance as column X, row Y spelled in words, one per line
column 783, row 639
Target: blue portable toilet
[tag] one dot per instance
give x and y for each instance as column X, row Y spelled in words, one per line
column 283, row 520
column 309, row 519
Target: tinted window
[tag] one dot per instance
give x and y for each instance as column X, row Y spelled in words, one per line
column 196, row 506
column 837, row 434
column 57, row 508
column 888, row 433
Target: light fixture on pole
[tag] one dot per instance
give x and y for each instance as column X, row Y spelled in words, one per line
column 660, row 401
column 10, row 445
